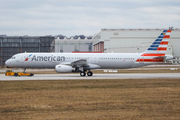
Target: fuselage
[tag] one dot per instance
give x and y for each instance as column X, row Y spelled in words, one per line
column 50, row 60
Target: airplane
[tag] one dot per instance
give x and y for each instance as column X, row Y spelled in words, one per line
column 85, row 62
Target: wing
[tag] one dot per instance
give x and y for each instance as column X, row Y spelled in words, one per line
column 80, row 62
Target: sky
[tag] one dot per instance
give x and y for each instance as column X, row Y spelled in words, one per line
column 85, row 17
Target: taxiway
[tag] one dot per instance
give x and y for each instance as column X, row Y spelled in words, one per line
column 95, row 76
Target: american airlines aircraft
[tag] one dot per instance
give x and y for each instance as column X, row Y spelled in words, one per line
column 85, row 62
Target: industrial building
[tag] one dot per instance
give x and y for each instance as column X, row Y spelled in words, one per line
column 10, row 45
column 74, row 44
column 134, row 41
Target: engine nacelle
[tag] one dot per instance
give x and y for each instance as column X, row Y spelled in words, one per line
column 64, row 69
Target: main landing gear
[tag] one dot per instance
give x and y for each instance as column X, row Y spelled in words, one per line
column 89, row 73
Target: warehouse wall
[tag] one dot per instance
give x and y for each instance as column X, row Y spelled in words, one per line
column 71, row 45
column 135, row 40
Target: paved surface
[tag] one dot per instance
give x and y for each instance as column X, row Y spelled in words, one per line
column 150, row 67
column 95, row 76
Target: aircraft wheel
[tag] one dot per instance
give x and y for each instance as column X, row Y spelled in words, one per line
column 82, row 74
column 89, row 73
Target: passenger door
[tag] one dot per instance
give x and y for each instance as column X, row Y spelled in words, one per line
column 21, row 58
column 95, row 59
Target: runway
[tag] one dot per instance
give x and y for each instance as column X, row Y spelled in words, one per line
column 95, row 76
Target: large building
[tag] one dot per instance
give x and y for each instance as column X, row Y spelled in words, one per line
column 74, row 44
column 134, row 40
column 10, row 45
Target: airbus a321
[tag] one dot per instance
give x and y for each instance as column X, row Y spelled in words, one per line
column 85, row 62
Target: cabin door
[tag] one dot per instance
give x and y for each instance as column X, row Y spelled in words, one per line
column 21, row 58
column 95, row 59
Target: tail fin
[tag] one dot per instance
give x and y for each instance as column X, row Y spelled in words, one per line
column 156, row 52
column 159, row 46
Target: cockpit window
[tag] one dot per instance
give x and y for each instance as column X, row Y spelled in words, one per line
column 13, row 57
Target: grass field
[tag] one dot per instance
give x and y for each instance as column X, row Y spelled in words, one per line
column 90, row 99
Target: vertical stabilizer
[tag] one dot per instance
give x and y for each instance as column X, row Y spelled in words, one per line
column 159, row 46
column 156, row 52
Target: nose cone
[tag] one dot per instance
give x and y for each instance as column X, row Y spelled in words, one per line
column 7, row 63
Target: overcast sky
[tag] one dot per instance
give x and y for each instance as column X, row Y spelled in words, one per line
column 76, row 17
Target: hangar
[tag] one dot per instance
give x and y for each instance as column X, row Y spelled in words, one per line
column 134, row 41
column 10, row 45
column 74, row 44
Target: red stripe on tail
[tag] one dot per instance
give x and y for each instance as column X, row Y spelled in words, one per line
column 169, row 31
column 162, row 48
column 166, row 36
column 164, row 43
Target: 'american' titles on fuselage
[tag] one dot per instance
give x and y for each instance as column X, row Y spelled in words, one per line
column 48, row 58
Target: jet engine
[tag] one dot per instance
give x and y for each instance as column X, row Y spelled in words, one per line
column 64, row 69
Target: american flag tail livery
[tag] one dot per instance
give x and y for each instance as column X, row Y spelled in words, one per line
column 156, row 52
